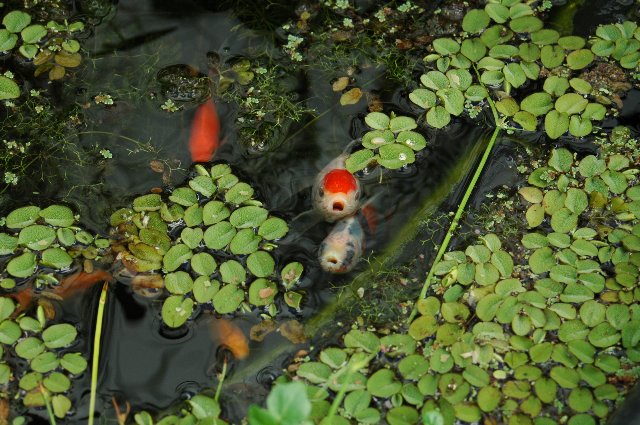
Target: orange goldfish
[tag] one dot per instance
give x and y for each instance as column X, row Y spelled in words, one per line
column 336, row 192
column 68, row 286
column 231, row 337
column 205, row 132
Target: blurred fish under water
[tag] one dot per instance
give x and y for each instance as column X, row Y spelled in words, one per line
column 204, row 136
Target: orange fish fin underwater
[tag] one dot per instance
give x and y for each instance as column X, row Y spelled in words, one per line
column 231, row 337
column 80, row 281
column 205, row 132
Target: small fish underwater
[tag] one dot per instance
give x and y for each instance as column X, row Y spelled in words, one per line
column 204, row 137
column 336, row 192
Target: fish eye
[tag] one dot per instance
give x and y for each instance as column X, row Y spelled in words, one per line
column 320, row 192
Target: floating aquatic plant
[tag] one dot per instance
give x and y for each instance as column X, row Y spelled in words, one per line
column 37, row 365
column 42, row 244
column 391, row 143
column 504, row 333
column 210, row 242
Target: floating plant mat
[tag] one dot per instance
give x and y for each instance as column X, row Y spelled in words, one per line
column 211, row 242
column 525, row 334
column 541, row 329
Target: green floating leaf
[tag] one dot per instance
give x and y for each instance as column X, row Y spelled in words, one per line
column 239, row 193
column 438, row 117
column 60, row 335
column 261, row 264
column 56, row 382
column 23, row 265
column 377, row 120
column 475, row 20
column 151, row 202
column 22, row 217
column 61, row 405
column 204, row 289
column 219, row 235
column 423, row 98
column 228, row 299
column 398, row 124
column 376, row 138
column 556, row 124
column 248, row 217
column 204, row 407
column 262, row 292
column 245, row 242
column 537, row 104
column 203, row 185
column 232, row 271
column 396, row 156
column 184, row 196
column 178, row 283
column 273, row 228
column 56, row 258
column 16, row 20
column 36, row 237
column 291, row 274
column 191, row 237
column 74, row 363
column 58, row 215
column 176, row 310
column 33, row 33
column 176, row 256
column 7, row 42
column 8, row 244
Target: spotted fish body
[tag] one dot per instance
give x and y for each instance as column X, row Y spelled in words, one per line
column 343, row 247
column 336, row 192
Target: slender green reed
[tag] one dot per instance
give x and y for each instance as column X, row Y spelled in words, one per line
column 96, row 351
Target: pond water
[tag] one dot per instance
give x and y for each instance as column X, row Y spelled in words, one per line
column 123, row 150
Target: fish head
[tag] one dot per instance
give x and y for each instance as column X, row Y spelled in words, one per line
column 342, row 248
column 337, row 194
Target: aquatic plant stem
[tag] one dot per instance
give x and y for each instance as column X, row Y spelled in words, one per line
column 222, row 376
column 47, row 402
column 96, row 351
column 461, row 207
column 350, row 370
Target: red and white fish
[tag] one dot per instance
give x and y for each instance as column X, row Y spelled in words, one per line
column 341, row 250
column 336, row 192
column 204, row 138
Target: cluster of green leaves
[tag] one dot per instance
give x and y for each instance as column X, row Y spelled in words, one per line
column 539, row 333
column 51, row 46
column 507, row 45
column 620, row 42
column 204, row 223
column 34, row 241
column 392, row 376
column 200, row 409
column 445, row 95
column 49, row 366
column 391, row 143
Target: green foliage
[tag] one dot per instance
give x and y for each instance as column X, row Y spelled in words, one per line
column 187, row 239
column 199, row 409
column 287, row 404
column 47, row 365
column 41, row 244
column 391, row 143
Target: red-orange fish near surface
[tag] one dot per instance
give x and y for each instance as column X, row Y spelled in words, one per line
column 205, row 132
column 336, row 192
